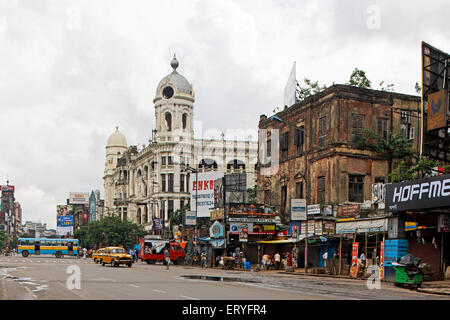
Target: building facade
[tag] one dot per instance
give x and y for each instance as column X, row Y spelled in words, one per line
column 318, row 151
column 153, row 182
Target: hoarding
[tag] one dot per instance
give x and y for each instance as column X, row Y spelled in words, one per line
column 348, row 210
column 64, row 216
column 217, row 230
column 425, row 193
column 79, row 197
column 437, row 110
column 216, row 214
column 354, row 266
column 202, row 188
column 253, row 229
column 298, row 209
column 158, row 224
column 376, row 225
column 189, row 218
column 313, row 209
column 444, row 223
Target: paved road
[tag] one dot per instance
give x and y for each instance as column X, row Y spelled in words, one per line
column 46, row 277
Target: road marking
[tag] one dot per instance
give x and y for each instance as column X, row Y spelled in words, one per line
column 189, row 297
column 133, row 285
column 159, row 291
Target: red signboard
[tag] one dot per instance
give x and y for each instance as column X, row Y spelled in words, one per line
column 354, row 267
column 348, row 211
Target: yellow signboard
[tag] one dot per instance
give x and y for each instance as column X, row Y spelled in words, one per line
column 437, row 110
column 216, row 214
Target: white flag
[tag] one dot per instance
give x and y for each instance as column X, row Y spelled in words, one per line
column 290, row 89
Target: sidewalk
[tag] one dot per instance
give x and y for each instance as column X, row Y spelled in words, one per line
column 436, row 287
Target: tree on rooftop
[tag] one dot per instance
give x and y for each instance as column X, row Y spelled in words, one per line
column 359, row 79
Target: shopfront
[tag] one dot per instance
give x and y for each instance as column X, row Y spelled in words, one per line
column 423, row 208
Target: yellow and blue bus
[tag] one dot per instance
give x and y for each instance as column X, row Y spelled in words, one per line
column 57, row 247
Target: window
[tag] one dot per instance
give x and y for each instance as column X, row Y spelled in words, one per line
column 321, row 190
column 357, row 127
column 299, row 190
column 162, row 210
column 170, row 182
column 299, row 138
column 182, row 160
column 355, row 188
column 269, row 148
column 284, row 145
column 170, row 160
column 184, row 121
column 170, row 209
column 382, row 128
column 181, row 182
column 168, row 118
column 163, row 161
column 267, row 196
column 181, row 204
column 163, row 183
column 322, row 131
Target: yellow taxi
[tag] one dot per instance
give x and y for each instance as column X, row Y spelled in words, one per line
column 97, row 254
column 116, row 256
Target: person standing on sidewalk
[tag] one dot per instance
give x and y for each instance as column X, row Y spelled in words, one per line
column 203, row 259
column 277, row 258
column 325, row 259
column 167, row 255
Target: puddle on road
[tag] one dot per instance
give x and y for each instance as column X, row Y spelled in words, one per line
column 220, row 279
column 4, row 271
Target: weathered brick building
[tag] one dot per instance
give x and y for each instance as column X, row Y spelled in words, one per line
column 319, row 157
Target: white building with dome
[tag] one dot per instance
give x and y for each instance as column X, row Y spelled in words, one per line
column 153, row 182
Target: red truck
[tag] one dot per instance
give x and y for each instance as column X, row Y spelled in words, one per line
column 152, row 250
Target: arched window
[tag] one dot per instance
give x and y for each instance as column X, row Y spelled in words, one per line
column 145, row 214
column 138, row 216
column 184, row 121
column 168, row 118
column 139, row 173
column 208, row 164
column 236, row 164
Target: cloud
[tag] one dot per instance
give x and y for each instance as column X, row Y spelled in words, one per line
column 73, row 70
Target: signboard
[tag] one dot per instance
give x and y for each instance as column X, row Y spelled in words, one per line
column 201, row 188
column 216, row 214
column 318, row 227
column 378, row 225
column 79, row 197
column 348, row 211
column 189, row 218
column 327, row 210
column 313, row 209
column 217, row 230
column 8, row 188
column 437, row 110
column 243, row 234
column 218, row 193
column 444, row 223
column 256, row 229
column 311, row 227
column 298, row 209
column 381, row 274
column 393, row 250
column 158, row 224
column 64, row 216
column 254, row 220
column 328, row 227
column 354, row 266
column 433, row 192
column 65, row 221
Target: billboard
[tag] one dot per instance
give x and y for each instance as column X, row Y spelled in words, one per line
column 425, row 193
column 190, row 219
column 79, row 197
column 158, row 224
column 437, row 110
column 64, row 216
column 298, row 209
column 201, row 188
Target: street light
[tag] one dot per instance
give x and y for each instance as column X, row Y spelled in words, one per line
column 193, row 170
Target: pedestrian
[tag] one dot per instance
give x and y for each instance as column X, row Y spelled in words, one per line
column 84, row 252
column 167, row 255
column 277, row 260
column 325, row 259
column 203, row 259
column 363, row 260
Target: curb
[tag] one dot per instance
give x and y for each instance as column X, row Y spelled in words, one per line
column 431, row 291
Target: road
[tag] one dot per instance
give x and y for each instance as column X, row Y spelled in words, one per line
column 46, row 278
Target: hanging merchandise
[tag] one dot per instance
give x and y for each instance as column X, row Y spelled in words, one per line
column 434, row 242
column 418, row 236
column 423, row 240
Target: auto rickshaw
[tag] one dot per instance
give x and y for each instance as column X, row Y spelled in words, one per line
column 408, row 272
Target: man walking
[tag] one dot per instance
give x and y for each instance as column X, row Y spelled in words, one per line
column 277, row 258
column 325, row 260
column 204, row 265
column 167, row 255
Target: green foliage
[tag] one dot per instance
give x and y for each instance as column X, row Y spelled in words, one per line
column 252, row 195
column 359, row 79
column 3, row 239
column 396, row 146
column 418, row 88
column 110, row 231
column 405, row 171
column 309, row 88
column 387, row 88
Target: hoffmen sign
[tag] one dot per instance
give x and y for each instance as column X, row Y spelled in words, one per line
column 427, row 193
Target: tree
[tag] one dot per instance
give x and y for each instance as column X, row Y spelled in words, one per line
column 418, row 88
column 387, row 88
column 395, row 146
column 252, row 195
column 110, row 231
column 3, row 239
column 309, row 88
column 405, row 171
column 359, row 79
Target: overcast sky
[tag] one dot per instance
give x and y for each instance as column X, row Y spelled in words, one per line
column 70, row 71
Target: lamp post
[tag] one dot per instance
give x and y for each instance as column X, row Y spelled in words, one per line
column 193, row 170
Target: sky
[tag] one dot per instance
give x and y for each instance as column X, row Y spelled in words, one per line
column 71, row 71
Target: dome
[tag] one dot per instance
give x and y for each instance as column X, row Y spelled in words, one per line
column 175, row 79
column 117, row 139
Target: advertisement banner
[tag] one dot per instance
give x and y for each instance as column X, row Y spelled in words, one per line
column 243, row 234
column 201, row 188
column 64, row 215
column 298, row 209
column 79, row 197
column 189, row 218
column 217, row 230
column 328, row 227
column 318, row 227
column 216, row 214
column 437, row 110
column 158, row 224
column 420, row 194
column 8, row 188
column 313, row 209
column 348, row 211
column 382, row 260
column 354, row 267
column 257, row 229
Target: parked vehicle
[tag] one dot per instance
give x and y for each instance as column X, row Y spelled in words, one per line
column 152, row 250
column 97, row 254
column 115, row 256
